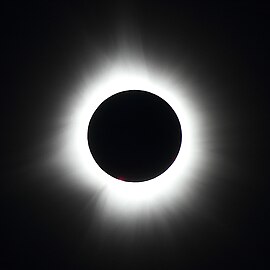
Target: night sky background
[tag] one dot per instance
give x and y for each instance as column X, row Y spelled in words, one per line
column 45, row 46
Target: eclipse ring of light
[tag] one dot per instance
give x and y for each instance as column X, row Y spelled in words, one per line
column 129, row 200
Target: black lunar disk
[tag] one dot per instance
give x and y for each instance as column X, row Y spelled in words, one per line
column 134, row 136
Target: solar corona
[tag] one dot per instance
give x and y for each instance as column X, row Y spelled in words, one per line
column 133, row 135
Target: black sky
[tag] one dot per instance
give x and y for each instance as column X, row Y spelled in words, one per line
column 224, row 46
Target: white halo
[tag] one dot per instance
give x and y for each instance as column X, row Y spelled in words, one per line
column 128, row 201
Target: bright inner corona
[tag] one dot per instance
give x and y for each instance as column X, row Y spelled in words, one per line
column 127, row 200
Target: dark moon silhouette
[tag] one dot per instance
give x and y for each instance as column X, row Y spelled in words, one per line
column 134, row 136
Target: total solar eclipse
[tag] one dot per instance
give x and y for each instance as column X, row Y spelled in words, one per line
column 134, row 135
